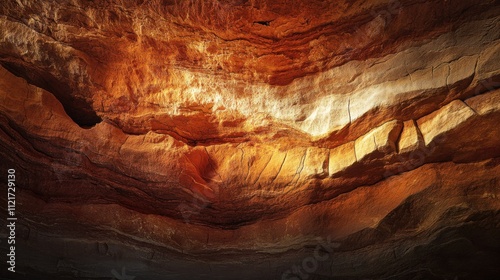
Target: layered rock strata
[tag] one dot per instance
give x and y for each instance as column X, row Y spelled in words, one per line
column 253, row 139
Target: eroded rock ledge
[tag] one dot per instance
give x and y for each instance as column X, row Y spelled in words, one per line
column 185, row 146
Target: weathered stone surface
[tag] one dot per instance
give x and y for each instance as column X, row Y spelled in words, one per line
column 316, row 162
column 229, row 139
column 444, row 120
column 410, row 139
column 380, row 139
column 485, row 104
column 327, row 85
column 341, row 158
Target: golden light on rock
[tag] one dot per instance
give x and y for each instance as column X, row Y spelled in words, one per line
column 227, row 139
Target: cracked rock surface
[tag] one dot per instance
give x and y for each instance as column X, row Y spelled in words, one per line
column 225, row 139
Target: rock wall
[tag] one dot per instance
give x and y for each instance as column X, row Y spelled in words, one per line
column 252, row 139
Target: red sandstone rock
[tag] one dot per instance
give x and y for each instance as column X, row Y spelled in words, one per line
column 227, row 139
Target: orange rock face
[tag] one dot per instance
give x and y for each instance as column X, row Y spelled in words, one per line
column 225, row 139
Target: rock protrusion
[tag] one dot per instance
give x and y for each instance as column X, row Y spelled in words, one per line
column 380, row 140
column 444, row 120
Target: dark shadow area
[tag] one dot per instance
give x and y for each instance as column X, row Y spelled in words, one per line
column 77, row 108
column 263, row 22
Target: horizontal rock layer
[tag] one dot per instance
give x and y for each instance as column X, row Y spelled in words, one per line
column 354, row 140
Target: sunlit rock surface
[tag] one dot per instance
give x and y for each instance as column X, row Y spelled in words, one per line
column 252, row 139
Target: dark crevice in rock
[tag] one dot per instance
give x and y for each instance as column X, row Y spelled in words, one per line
column 263, row 22
column 77, row 108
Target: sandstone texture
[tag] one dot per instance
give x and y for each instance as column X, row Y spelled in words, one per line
column 225, row 139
